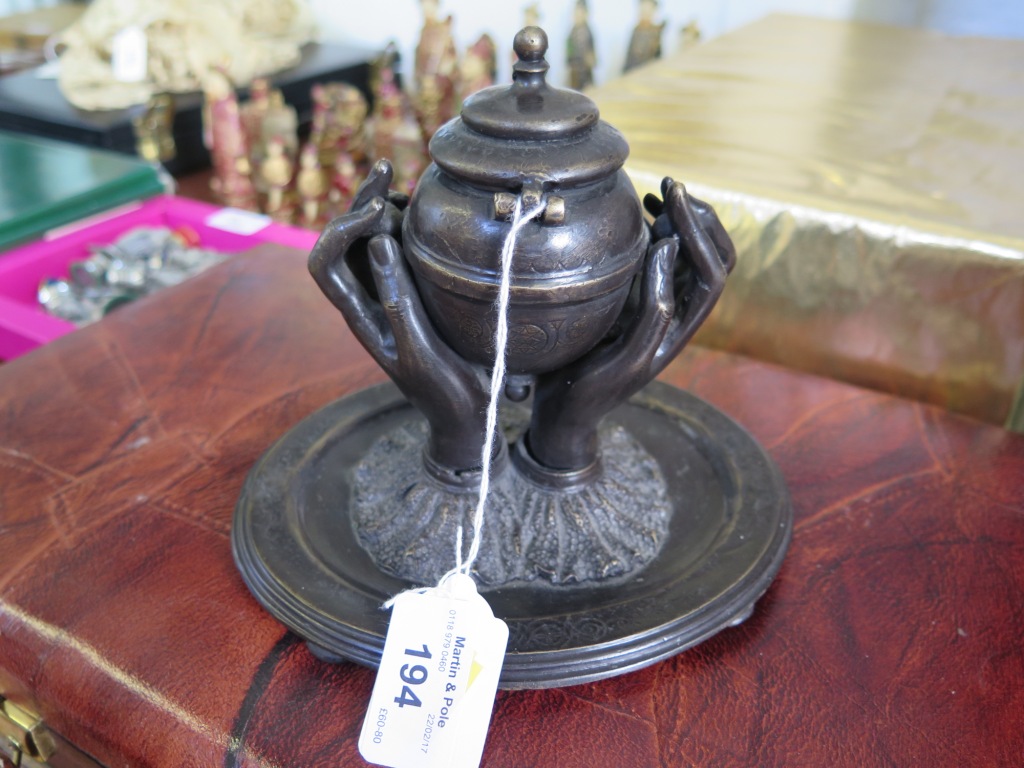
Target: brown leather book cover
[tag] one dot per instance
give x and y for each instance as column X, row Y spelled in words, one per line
column 891, row 636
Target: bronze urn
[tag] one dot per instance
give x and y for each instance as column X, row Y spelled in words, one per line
column 573, row 271
column 627, row 520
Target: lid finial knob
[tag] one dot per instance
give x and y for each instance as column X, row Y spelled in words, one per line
column 530, row 45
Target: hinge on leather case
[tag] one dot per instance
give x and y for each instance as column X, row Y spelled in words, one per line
column 24, row 740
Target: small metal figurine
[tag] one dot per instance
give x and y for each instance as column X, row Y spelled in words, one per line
column 395, row 134
column 531, row 15
column 153, row 128
column 280, row 123
column 626, row 520
column 253, row 112
column 479, row 66
column 580, row 49
column 429, row 110
column 690, row 35
column 436, row 68
column 410, row 160
column 344, row 183
column 339, row 118
column 276, row 172
column 531, row 18
column 311, row 186
column 388, row 111
column 229, row 152
column 383, row 67
column 645, row 43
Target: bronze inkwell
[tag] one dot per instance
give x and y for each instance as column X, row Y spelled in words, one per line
column 627, row 520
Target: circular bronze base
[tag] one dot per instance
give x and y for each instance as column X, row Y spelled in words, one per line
column 732, row 521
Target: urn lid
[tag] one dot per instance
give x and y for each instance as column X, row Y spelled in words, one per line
column 529, row 131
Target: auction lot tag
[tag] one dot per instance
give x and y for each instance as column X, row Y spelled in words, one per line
column 128, row 55
column 432, row 700
column 238, row 221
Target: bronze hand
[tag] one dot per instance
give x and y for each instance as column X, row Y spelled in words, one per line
column 359, row 266
column 683, row 276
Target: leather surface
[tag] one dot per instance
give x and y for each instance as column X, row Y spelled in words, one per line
column 891, row 636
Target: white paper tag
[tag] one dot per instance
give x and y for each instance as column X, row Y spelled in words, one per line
column 128, row 54
column 48, row 71
column 237, row 221
column 432, row 700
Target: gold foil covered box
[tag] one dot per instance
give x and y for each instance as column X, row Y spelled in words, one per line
column 872, row 180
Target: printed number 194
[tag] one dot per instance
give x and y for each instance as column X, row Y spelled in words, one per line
column 412, row 674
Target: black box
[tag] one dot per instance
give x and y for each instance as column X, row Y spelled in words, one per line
column 29, row 104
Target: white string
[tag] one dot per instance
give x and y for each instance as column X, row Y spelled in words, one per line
column 519, row 220
column 458, row 547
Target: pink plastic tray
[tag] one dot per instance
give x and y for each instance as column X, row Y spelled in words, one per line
column 25, row 326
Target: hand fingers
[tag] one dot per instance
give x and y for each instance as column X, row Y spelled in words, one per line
column 422, row 358
column 390, row 274
column 713, row 226
column 657, row 307
column 412, row 330
column 653, row 205
column 666, row 184
column 376, row 184
column 656, row 289
column 335, row 278
column 698, row 297
column 339, row 235
column 694, row 239
column 364, row 316
column 625, row 367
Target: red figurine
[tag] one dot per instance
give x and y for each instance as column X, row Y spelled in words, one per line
column 436, row 70
column 479, row 66
column 344, row 182
column 311, row 187
column 229, row 152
